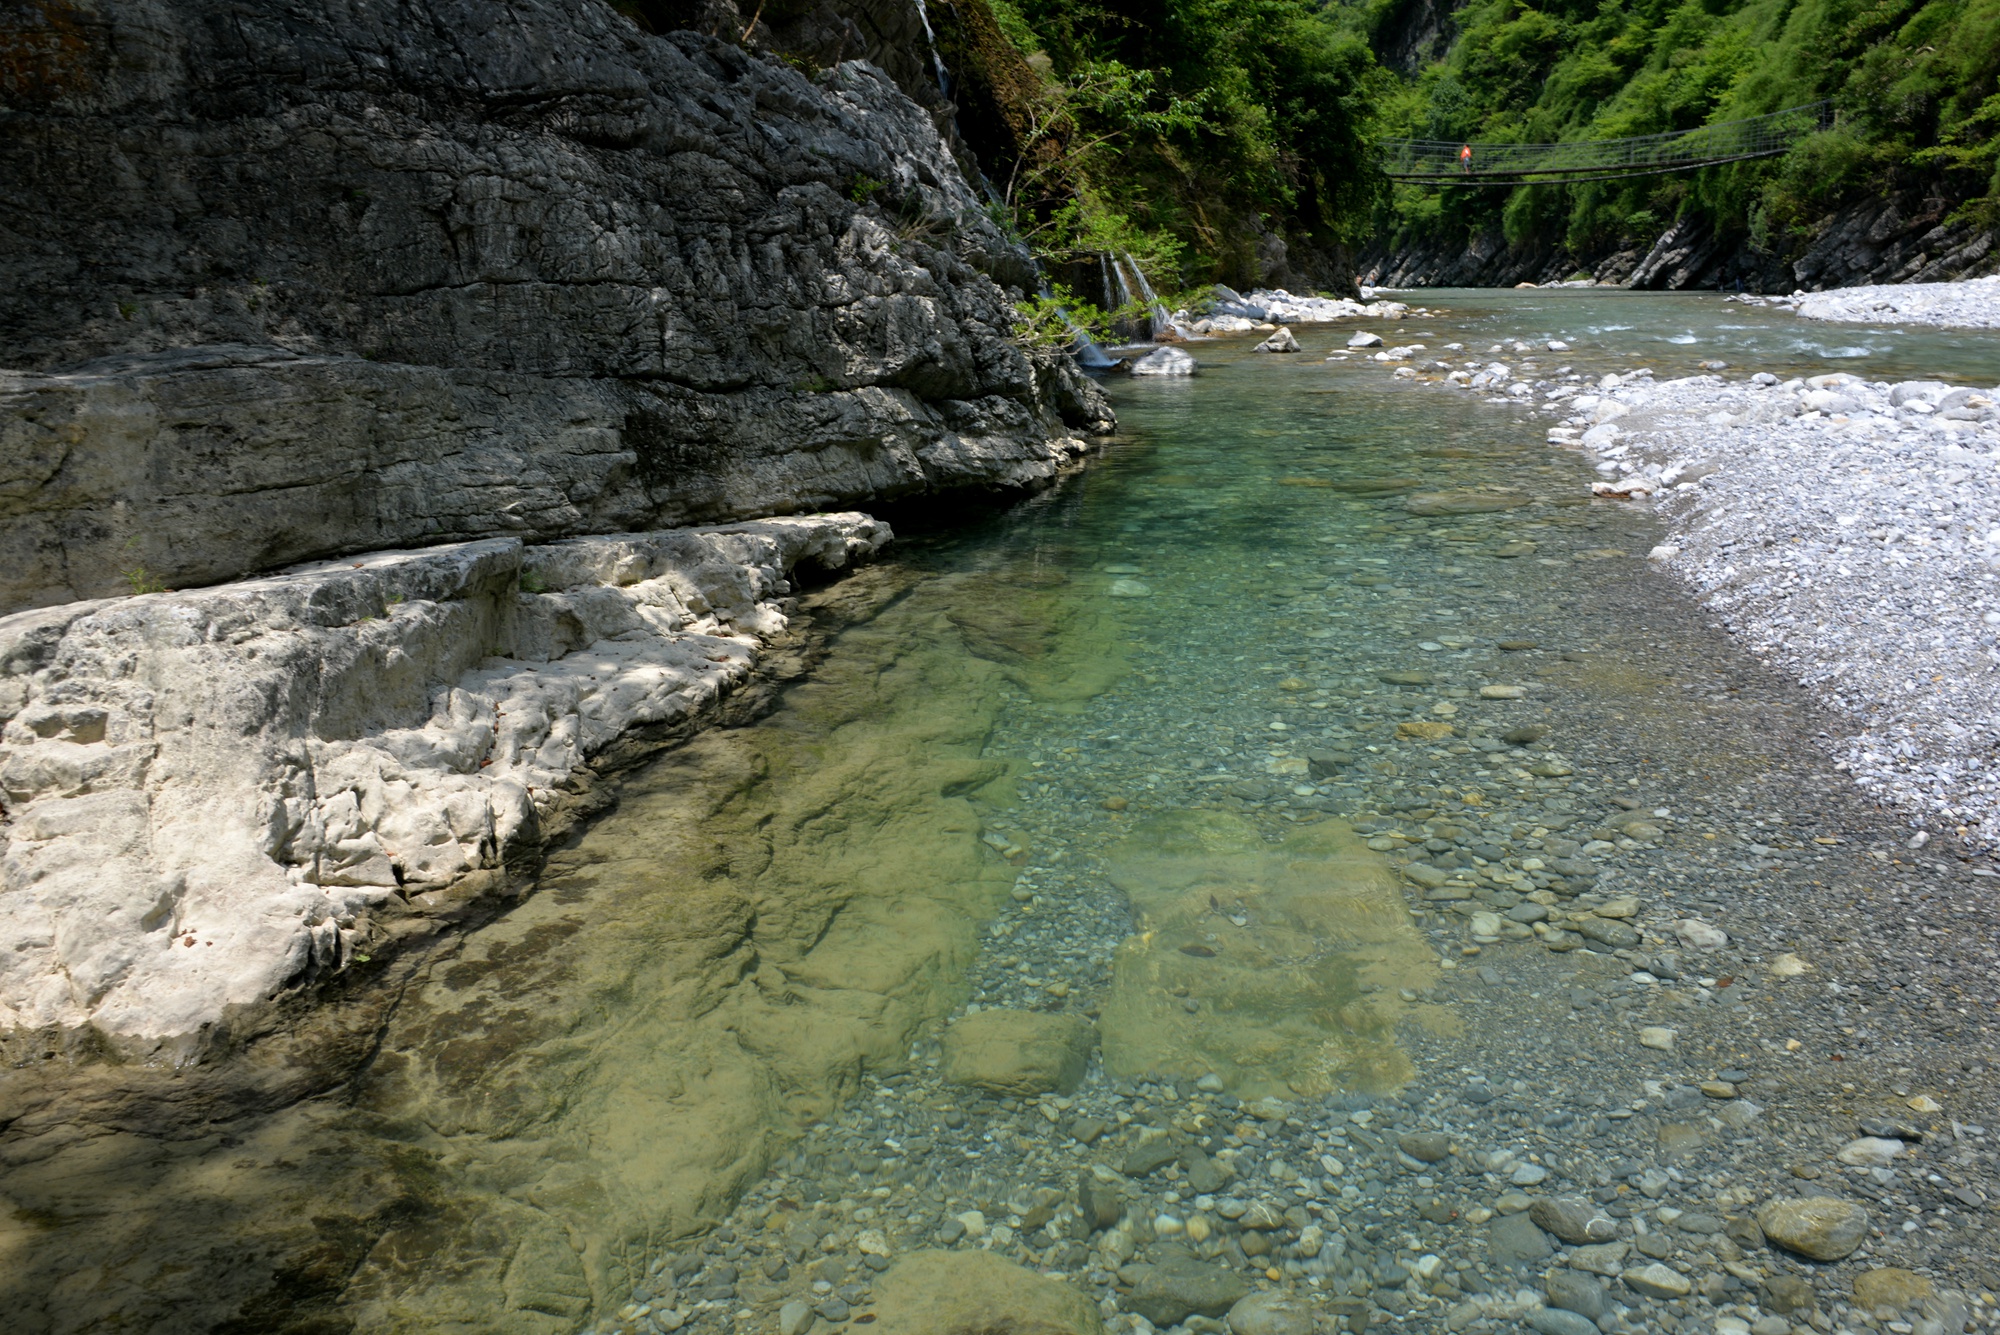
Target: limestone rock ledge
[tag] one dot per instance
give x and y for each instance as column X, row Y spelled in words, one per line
column 213, row 797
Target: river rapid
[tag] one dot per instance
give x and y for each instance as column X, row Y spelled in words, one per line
column 1412, row 851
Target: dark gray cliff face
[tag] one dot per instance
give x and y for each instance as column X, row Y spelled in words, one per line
column 1890, row 240
column 286, row 280
column 1413, row 33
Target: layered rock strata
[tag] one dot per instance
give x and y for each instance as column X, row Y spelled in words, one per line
column 300, row 282
column 214, row 797
column 1893, row 240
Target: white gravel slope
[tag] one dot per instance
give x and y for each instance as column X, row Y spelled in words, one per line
column 1971, row 304
column 1850, row 532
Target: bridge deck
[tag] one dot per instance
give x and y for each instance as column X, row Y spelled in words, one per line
column 1439, row 161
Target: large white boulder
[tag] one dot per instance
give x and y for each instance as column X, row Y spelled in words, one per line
column 1164, row 360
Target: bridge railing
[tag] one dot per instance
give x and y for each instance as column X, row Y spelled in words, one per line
column 1440, row 160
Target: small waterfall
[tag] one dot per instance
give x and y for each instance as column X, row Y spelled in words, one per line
column 1156, row 310
column 1157, row 319
column 1085, row 348
column 930, row 41
column 1116, row 265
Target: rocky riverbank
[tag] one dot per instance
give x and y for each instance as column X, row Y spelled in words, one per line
column 1887, row 241
column 1846, row 529
column 1974, row 304
column 488, row 309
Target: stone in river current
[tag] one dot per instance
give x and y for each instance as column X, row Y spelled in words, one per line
column 1461, row 502
column 1696, row 934
column 1165, row 361
column 1824, row 1228
column 1149, row 1156
column 1181, row 1286
column 1890, row 1286
column 1658, row 1281
column 1515, row 1240
column 1427, row 1146
column 1271, row 1314
column 931, row 1291
column 1557, row 1321
column 1576, row 1291
column 1018, row 1052
column 1608, row 931
column 1604, row 1258
column 1573, row 1219
column 1870, row 1151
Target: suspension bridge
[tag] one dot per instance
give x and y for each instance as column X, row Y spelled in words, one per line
column 1438, row 161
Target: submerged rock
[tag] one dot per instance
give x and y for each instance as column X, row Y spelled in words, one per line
column 1824, row 1228
column 1461, row 502
column 1018, row 1052
column 1180, row 1287
column 929, row 1293
column 1265, row 1017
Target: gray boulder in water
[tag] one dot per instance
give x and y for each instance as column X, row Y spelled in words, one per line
column 1164, row 361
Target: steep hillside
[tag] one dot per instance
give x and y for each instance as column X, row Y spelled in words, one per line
column 1903, row 185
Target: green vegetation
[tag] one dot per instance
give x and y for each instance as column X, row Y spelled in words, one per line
column 1913, row 83
column 1184, row 132
column 1051, row 320
column 141, row 580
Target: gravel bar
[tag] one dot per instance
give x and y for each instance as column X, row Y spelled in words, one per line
column 1971, row 304
column 1847, row 530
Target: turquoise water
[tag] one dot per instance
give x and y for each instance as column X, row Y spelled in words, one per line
column 1290, row 753
column 1674, row 331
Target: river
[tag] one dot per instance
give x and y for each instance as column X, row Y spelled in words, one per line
column 1151, row 751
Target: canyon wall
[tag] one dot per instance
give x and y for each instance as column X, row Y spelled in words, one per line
column 429, row 350
column 286, row 281
column 1894, row 240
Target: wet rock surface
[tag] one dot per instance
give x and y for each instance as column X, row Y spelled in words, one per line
column 1018, row 1052
column 357, row 280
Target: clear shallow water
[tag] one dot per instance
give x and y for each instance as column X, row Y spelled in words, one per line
column 1135, row 752
column 1673, row 331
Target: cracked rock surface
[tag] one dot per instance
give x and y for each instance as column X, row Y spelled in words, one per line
column 215, row 796
column 298, row 282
